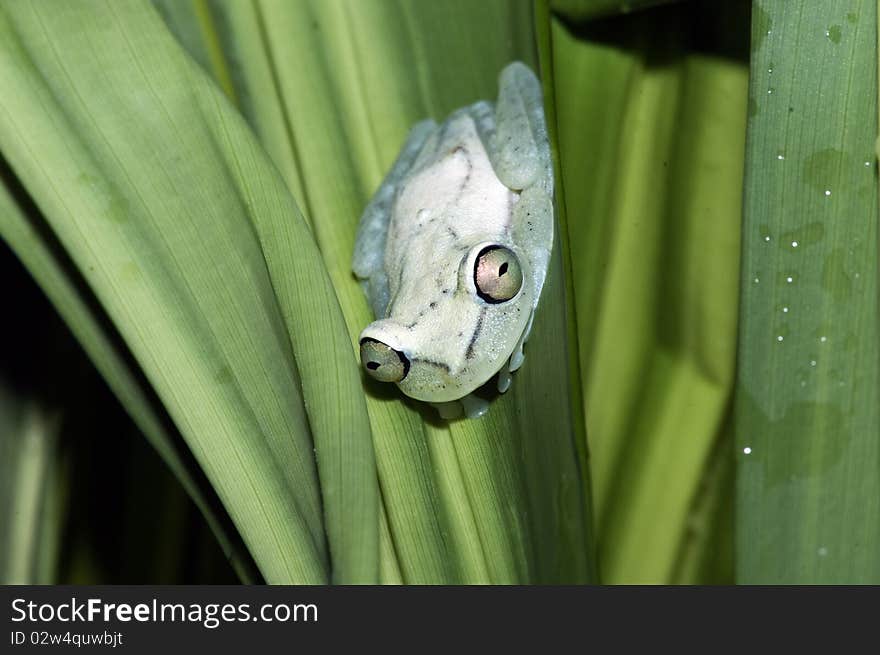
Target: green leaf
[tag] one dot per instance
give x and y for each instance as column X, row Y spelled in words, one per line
column 706, row 552
column 650, row 146
column 808, row 430
column 592, row 9
column 195, row 249
column 26, row 232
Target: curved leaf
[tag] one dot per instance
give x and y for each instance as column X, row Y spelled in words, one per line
column 194, row 247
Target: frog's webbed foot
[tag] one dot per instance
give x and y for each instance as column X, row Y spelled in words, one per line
column 503, row 379
column 517, row 357
column 369, row 247
column 515, row 133
column 471, row 406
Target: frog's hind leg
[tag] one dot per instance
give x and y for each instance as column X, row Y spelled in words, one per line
column 369, row 248
column 516, row 134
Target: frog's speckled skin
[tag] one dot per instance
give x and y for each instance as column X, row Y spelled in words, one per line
column 483, row 177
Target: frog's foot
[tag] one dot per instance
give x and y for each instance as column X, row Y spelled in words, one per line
column 518, row 147
column 503, row 380
column 516, row 358
column 473, row 406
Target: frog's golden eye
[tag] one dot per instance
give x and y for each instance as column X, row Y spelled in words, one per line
column 383, row 362
column 497, row 274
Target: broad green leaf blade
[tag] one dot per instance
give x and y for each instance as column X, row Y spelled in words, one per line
column 174, row 216
column 807, row 424
column 499, row 499
column 85, row 181
column 28, row 237
column 329, row 375
column 194, row 25
column 409, row 492
column 651, row 149
column 204, row 33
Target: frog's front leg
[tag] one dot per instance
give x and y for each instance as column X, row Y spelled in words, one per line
column 368, row 262
column 515, row 135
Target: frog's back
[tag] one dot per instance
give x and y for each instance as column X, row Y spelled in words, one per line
column 449, row 201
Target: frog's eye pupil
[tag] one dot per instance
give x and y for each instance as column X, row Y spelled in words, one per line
column 382, row 362
column 497, row 274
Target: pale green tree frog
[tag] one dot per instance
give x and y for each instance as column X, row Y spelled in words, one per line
column 453, row 248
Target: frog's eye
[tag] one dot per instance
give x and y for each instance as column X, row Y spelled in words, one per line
column 383, row 362
column 497, row 274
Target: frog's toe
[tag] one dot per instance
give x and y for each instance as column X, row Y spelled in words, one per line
column 516, row 359
column 473, row 406
column 503, row 380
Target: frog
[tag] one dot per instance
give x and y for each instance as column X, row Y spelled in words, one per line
column 452, row 250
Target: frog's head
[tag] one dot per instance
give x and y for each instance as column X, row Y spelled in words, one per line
column 462, row 330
